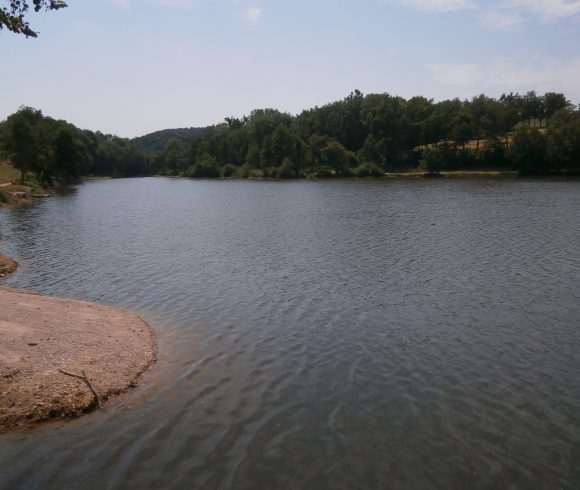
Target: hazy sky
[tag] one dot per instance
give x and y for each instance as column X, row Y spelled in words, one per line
column 131, row 67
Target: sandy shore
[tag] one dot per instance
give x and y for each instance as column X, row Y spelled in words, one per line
column 41, row 335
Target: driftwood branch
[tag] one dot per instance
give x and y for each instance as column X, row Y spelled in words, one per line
column 93, row 390
column 87, row 380
column 71, row 374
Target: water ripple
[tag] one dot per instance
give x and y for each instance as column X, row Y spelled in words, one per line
column 354, row 334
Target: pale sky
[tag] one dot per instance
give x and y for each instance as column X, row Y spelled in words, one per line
column 130, row 67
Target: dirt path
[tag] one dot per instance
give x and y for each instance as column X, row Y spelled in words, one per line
column 40, row 335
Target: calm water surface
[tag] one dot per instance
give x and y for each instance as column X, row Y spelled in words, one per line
column 318, row 335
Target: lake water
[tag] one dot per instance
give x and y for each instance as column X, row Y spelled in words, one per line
column 420, row 334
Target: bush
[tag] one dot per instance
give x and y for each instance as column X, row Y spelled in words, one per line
column 528, row 152
column 347, row 172
column 286, row 170
column 368, row 170
column 270, row 172
column 243, row 172
column 229, row 170
column 432, row 161
column 4, row 198
column 324, row 173
column 256, row 173
column 206, row 167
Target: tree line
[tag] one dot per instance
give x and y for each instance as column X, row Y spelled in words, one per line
column 360, row 135
column 57, row 151
column 377, row 133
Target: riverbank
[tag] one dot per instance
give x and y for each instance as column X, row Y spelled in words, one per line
column 43, row 340
column 12, row 193
column 455, row 174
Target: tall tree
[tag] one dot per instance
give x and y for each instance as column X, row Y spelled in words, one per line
column 528, row 152
column 22, row 142
column 69, row 157
column 553, row 102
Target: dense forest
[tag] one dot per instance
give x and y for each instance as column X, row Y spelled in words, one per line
column 360, row 135
column 155, row 142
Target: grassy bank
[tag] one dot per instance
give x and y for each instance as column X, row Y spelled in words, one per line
column 10, row 183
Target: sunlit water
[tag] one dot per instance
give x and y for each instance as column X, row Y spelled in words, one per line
column 318, row 335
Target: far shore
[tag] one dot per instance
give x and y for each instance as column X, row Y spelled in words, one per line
column 60, row 358
column 455, row 174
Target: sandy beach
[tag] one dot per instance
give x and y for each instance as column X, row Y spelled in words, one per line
column 42, row 338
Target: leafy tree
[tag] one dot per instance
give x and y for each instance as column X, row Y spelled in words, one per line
column 68, row 158
column 532, row 108
column 316, row 143
column 22, row 142
column 563, row 141
column 553, row 102
column 253, row 156
column 336, row 156
column 368, row 170
column 528, row 152
column 432, row 160
column 12, row 17
column 206, row 167
column 462, row 129
column 174, row 155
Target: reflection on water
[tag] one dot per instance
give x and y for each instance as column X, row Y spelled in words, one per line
column 354, row 334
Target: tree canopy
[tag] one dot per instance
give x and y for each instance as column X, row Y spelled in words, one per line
column 360, row 135
column 12, row 17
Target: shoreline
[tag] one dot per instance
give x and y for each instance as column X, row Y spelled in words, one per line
column 45, row 340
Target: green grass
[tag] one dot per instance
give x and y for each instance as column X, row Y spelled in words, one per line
column 10, row 182
column 8, row 174
column 4, row 198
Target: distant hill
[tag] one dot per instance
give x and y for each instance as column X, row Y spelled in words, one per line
column 156, row 141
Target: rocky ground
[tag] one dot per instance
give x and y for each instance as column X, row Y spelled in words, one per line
column 40, row 337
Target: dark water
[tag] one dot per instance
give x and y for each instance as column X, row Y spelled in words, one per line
column 318, row 335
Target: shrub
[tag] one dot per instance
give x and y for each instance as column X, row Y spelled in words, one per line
column 286, row 170
column 206, row 167
column 229, row 170
column 368, row 170
column 324, row 173
column 432, row 161
column 243, row 172
column 256, row 173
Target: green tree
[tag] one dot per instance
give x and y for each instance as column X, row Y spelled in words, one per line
column 528, row 152
column 553, row 102
column 12, row 17
column 563, row 141
column 68, row 158
column 22, row 142
column 174, row 155
column 532, row 108
column 253, row 156
column 206, row 167
column 432, row 160
column 336, row 156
